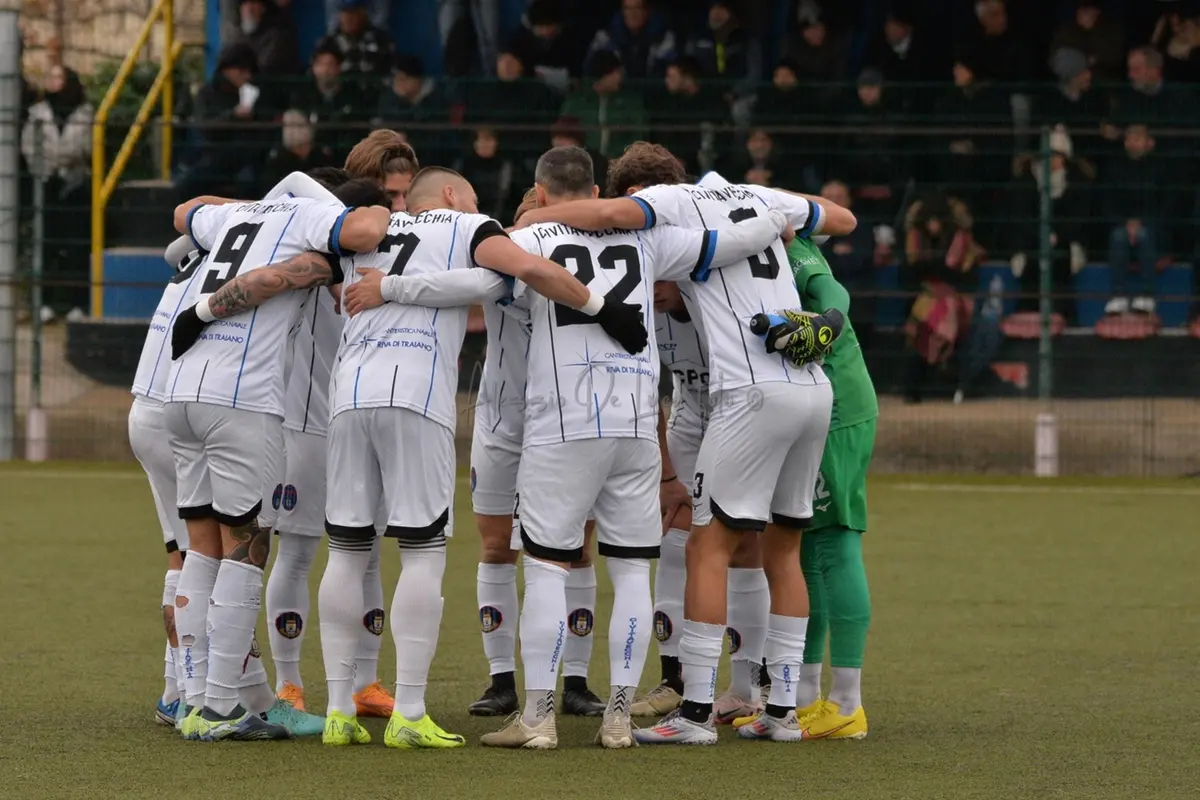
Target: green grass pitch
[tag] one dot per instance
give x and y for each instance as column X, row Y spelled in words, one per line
column 1030, row 640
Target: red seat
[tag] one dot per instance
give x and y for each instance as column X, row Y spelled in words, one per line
column 1028, row 325
column 1128, row 326
column 1194, row 328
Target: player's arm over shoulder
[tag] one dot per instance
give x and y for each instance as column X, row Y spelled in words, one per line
column 809, row 214
column 504, row 255
column 621, row 213
column 202, row 217
column 330, row 227
column 252, row 289
column 456, row 287
column 681, row 253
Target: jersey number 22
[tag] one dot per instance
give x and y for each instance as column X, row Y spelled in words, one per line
column 585, row 271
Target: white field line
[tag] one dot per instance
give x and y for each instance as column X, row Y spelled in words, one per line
column 1000, row 488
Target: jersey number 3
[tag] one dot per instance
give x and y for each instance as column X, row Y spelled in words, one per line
column 585, row 271
column 233, row 250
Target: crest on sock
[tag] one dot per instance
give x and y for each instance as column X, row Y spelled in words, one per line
column 373, row 621
column 289, row 624
column 580, row 621
column 490, row 618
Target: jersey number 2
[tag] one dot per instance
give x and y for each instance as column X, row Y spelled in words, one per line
column 585, row 271
column 233, row 251
column 766, row 264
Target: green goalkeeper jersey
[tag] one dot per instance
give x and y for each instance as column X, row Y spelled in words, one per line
column 854, row 398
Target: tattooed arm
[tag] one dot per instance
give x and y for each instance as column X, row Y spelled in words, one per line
column 251, row 290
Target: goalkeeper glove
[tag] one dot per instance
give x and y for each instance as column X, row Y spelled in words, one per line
column 801, row 338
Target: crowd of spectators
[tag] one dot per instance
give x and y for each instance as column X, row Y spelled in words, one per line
column 888, row 105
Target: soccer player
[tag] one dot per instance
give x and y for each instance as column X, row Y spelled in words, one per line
column 226, row 396
column 148, row 440
column 591, row 414
column 392, row 439
column 299, row 497
column 831, row 547
column 758, row 463
column 387, row 158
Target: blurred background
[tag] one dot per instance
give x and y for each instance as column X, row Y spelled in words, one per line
column 1023, row 172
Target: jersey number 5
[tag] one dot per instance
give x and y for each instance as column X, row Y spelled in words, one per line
column 407, row 242
column 233, row 251
column 585, row 271
column 766, row 264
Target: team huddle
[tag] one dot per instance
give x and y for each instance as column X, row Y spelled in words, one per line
column 300, row 377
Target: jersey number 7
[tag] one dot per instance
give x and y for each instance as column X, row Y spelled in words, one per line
column 233, row 251
column 766, row 264
column 585, row 271
column 407, row 242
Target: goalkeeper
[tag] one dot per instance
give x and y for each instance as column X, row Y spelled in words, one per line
column 831, row 547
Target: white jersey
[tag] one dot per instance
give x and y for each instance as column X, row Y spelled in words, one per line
column 406, row 356
column 314, row 348
column 733, row 295
column 681, row 350
column 582, row 384
column 500, row 407
column 154, row 364
column 239, row 361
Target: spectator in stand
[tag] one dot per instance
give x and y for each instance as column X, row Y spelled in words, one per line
column 974, row 163
column 330, row 100
column 298, row 151
column 271, row 33
column 996, row 52
column 567, row 133
column 853, row 260
column 1138, row 193
column 463, row 23
column 1177, row 37
column 685, row 99
column 545, row 48
column 639, row 37
column 412, row 98
column 229, row 148
column 497, row 177
column 1148, row 98
column 900, row 54
column 57, row 144
column 377, row 9
column 872, row 161
column 513, row 99
column 365, row 50
column 612, row 116
column 819, row 54
column 1070, row 182
column 1095, row 34
column 1073, row 102
column 761, row 163
column 730, row 53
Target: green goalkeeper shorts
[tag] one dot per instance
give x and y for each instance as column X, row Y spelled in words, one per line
column 841, row 496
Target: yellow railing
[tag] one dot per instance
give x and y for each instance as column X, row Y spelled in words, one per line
column 104, row 182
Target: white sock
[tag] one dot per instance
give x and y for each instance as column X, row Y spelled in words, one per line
column 581, row 617
column 255, row 694
column 288, row 604
column 234, row 606
column 699, row 655
column 628, row 629
column 196, row 581
column 846, row 690
column 543, row 634
column 669, row 579
column 749, row 601
column 339, row 605
column 784, row 655
column 370, row 638
column 808, row 689
column 496, row 592
column 170, row 674
column 416, row 620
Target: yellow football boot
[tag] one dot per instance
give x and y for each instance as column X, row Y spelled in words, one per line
column 832, row 724
column 423, row 733
column 342, row 730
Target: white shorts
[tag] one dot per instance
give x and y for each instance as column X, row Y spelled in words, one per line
column 617, row 479
column 395, row 456
column 300, row 498
column 220, row 460
column 273, row 479
column 494, row 465
column 152, row 448
column 683, row 445
column 761, row 455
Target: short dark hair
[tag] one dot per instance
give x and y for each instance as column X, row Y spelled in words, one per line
column 409, row 65
column 688, row 65
column 565, row 171
column 329, row 177
column 361, row 192
column 643, row 164
column 544, row 12
column 326, row 49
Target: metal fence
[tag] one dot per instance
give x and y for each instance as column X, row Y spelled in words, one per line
column 1030, row 236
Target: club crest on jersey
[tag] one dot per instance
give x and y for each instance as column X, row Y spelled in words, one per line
column 289, row 624
column 735, row 640
column 277, row 496
column 373, row 621
column 662, row 626
column 289, row 497
column 474, row 480
column 580, row 621
column 490, row 619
